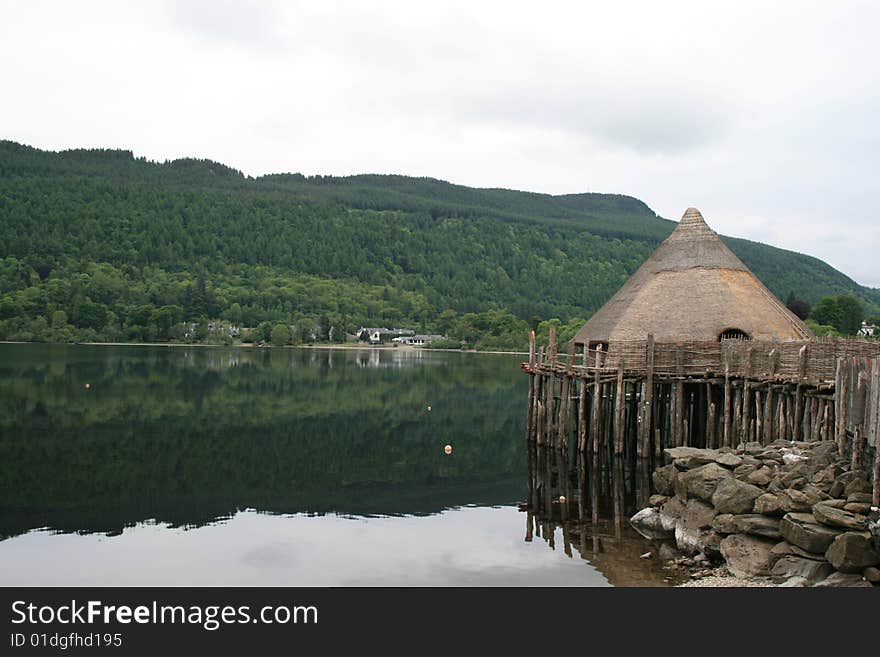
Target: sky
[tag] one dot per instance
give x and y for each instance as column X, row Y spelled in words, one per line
column 762, row 115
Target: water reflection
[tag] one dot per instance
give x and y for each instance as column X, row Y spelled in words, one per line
column 587, row 500
column 189, row 435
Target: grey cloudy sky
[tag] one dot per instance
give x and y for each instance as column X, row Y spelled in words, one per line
column 763, row 115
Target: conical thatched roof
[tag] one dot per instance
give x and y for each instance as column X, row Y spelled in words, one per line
column 692, row 288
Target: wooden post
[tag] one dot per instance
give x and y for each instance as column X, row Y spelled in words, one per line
column 597, row 399
column 649, row 398
column 768, row 409
column 710, row 420
column 759, row 416
column 619, row 408
column 727, row 410
column 552, row 348
column 841, row 401
column 531, row 410
column 747, row 401
column 799, row 394
column 678, row 415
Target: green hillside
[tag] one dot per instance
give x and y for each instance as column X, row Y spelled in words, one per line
column 98, row 244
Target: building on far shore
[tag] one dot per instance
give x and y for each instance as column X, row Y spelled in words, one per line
column 376, row 335
column 418, row 340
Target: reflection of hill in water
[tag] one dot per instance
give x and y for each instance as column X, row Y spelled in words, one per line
column 187, row 435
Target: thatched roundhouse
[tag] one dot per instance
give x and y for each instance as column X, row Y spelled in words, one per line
column 692, row 288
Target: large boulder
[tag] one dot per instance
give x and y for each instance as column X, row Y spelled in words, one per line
column 852, row 552
column 757, row 525
column 769, row 505
column 687, row 458
column 748, row 556
column 734, row 496
column 696, row 541
column 697, row 515
column 795, row 501
column 728, row 460
column 664, row 479
column 801, row 529
column 653, row 524
column 701, row 482
column 829, row 515
column 791, row 566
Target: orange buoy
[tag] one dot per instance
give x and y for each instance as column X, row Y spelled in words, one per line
column 448, row 449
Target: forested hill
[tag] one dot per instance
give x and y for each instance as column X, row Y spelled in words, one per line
column 127, row 248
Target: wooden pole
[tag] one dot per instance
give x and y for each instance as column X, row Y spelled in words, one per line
column 747, row 401
column 841, row 401
column 768, row 409
column 710, row 419
column 597, row 405
column 759, row 416
column 678, row 416
column 649, row 398
column 727, row 410
column 619, row 409
column 799, row 394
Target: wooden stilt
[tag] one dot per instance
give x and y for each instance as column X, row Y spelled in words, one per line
column 619, row 410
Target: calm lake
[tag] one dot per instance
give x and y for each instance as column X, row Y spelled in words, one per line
column 239, row 466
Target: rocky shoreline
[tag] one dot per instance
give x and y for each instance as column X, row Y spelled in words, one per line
column 785, row 514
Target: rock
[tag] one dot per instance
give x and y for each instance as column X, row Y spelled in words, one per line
column 790, row 566
column 794, row 501
column 657, row 500
column 744, row 470
column 735, row 496
column 673, row 508
column 748, row 556
column 828, row 515
column 697, row 515
column 836, row 489
column 795, row 582
column 694, row 541
column 768, row 504
column 852, row 552
column 728, row 460
column 837, row 504
column 857, row 485
column 701, row 482
column 748, row 523
column 872, row 574
column 801, row 529
column 844, row 579
column 859, row 498
column 783, row 548
column 824, row 449
column 687, row 458
column 757, row 524
column 856, row 507
column 664, row 479
column 760, row 477
column 825, row 477
column 724, row 524
column 651, row 523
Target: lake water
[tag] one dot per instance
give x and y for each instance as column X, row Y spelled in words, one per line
column 238, row 466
